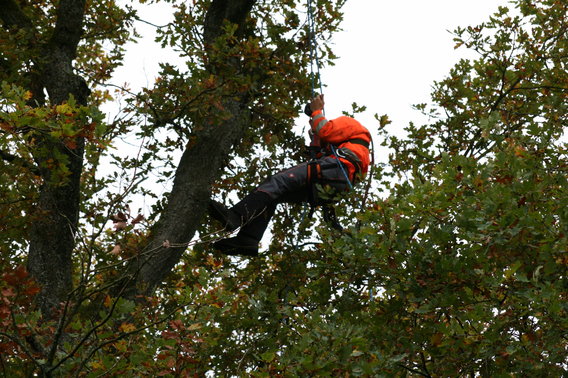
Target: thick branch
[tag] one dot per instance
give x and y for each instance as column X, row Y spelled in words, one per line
column 234, row 11
column 198, row 168
column 57, row 212
column 200, row 165
column 68, row 29
column 59, row 77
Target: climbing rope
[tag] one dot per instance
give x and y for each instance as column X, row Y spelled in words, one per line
column 313, row 51
column 313, row 54
column 314, row 58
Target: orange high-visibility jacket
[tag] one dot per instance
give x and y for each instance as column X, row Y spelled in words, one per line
column 338, row 132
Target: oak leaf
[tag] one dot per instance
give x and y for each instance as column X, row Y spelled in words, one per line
column 116, row 250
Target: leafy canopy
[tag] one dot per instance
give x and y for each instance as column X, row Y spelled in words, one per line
column 457, row 266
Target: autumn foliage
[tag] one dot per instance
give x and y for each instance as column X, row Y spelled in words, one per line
column 456, row 265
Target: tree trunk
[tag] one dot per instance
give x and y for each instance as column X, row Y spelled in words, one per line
column 199, row 166
column 55, row 217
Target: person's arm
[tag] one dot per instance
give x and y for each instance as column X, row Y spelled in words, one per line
column 317, row 119
column 332, row 131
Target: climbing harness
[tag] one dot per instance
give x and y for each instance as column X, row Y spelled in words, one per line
column 344, row 153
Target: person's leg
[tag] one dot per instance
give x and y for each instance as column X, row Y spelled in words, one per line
column 245, row 210
column 248, row 237
column 282, row 184
column 253, row 213
column 285, row 186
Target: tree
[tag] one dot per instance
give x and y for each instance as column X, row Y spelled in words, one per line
column 456, row 266
column 244, row 79
column 461, row 269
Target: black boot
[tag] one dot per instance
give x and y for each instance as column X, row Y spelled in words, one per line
column 255, row 211
column 239, row 245
column 228, row 217
column 252, row 206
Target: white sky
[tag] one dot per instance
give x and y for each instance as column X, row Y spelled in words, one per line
column 390, row 53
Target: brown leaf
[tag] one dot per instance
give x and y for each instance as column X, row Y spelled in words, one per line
column 71, row 144
column 116, row 250
column 21, row 272
column 119, row 217
column 108, row 301
column 139, row 218
column 9, row 292
column 119, row 225
column 127, row 327
column 32, row 290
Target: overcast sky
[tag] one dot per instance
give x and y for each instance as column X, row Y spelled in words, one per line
column 390, row 53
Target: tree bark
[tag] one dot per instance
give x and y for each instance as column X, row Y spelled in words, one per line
column 233, row 11
column 199, row 166
column 55, row 218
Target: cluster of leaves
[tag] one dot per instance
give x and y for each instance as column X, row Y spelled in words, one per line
column 94, row 333
column 265, row 61
column 24, row 141
column 462, row 268
column 17, row 316
column 459, row 270
column 95, row 329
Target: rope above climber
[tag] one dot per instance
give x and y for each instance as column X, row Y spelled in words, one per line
column 341, row 161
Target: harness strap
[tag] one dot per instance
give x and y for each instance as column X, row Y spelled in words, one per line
column 359, row 141
column 347, row 154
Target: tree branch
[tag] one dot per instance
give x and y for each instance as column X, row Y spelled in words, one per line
column 234, row 11
column 68, row 28
column 198, row 168
column 475, row 142
column 18, row 160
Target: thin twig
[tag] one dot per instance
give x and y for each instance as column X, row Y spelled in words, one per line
column 24, row 349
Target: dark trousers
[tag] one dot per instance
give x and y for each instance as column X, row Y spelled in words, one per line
column 288, row 186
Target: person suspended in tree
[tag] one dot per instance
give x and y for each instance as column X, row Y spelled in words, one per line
column 342, row 160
